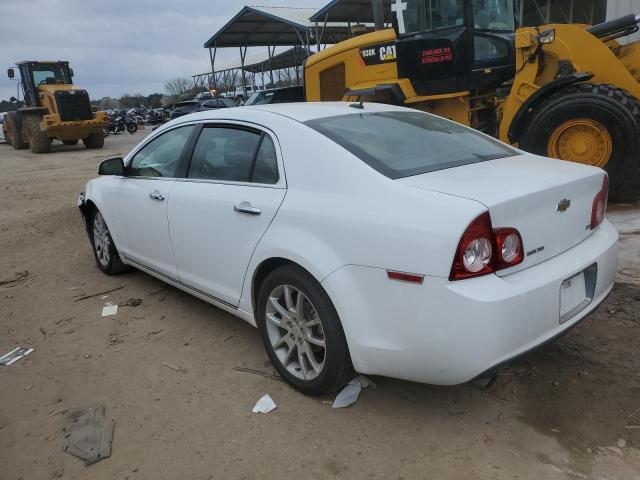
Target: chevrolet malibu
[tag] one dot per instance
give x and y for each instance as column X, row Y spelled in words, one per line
column 360, row 237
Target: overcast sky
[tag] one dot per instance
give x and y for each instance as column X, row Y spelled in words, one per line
column 118, row 46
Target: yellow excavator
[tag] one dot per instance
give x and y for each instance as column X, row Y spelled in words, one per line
column 53, row 108
column 566, row 91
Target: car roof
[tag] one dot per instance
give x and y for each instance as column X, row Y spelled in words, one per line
column 299, row 111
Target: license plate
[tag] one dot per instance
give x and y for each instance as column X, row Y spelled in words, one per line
column 573, row 297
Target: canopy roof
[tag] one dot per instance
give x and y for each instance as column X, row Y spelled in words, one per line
column 354, row 11
column 260, row 26
column 294, row 57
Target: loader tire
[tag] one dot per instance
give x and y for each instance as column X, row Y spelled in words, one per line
column 591, row 124
column 95, row 140
column 70, row 142
column 33, row 134
column 13, row 127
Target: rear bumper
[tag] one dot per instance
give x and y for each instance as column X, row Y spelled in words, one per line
column 448, row 333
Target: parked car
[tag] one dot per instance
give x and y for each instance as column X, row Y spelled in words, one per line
column 3, row 134
column 191, row 106
column 240, row 94
column 360, row 237
column 277, row 95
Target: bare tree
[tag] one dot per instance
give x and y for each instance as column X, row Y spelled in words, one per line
column 178, row 86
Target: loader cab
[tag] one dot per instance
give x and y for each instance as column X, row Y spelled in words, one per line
column 447, row 46
column 37, row 74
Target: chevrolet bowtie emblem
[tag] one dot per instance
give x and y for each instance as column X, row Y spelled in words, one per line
column 563, row 205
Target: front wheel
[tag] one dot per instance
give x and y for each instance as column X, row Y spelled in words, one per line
column 95, row 140
column 132, row 128
column 104, row 250
column 302, row 333
column 591, row 124
column 37, row 139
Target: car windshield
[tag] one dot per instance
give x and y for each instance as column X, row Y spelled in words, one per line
column 260, row 98
column 402, row 144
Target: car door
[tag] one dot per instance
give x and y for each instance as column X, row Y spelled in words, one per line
column 217, row 214
column 138, row 202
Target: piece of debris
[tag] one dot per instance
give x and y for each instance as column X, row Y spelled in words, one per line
column 349, row 394
column 43, row 332
column 264, row 405
column 132, row 302
column 15, row 355
column 174, row 368
column 18, row 278
column 615, row 450
column 109, row 309
column 154, row 332
column 84, row 297
column 622, row 443
column 90, row 435
column 268, row 375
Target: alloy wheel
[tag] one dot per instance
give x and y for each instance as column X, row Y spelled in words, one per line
column 295, row 332
column 101, row 239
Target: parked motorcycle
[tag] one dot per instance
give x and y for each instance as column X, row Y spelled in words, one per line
column 120, row 121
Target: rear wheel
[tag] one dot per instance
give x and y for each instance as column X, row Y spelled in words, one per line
column 70, row 142
column 104, row 249
column 302, row 333
column 591, row 124
column 95, row 140
column 37, row 139
column 13, row 129
column 132, row 128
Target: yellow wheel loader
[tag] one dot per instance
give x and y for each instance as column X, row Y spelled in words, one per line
column 562, row 90
column 53, row 108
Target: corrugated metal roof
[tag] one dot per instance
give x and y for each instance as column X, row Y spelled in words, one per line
column 354, row 11
column 261, row 26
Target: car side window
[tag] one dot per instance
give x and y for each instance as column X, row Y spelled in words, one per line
column 234, row 154
column 265, row 169
column 224, row 154
column 160, row 157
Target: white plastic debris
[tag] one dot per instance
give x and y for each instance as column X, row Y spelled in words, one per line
column 109, row 309
column 264, row 405
column 350, row 393
column 15, row 355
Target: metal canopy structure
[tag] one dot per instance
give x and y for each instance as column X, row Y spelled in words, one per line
column 280, row 67
column 270, row 27
column 283, row 26
column 351, row 11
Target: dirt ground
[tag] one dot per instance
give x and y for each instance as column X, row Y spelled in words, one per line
column 164, row 370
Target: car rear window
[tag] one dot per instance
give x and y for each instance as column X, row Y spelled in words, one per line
column 402, row 144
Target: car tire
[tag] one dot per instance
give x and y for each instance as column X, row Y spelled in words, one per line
column 104, row 250
column 584, row 108
column 95, row 140
column 70, row 142
column 295, row 341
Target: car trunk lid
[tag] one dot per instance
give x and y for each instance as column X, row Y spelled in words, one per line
column 548, row 201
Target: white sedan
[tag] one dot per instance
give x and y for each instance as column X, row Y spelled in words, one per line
column 360, row 237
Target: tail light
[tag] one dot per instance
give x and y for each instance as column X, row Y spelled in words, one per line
column 599, row 207
column 483, row 250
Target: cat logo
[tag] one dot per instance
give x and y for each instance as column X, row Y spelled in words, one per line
column 377, row 54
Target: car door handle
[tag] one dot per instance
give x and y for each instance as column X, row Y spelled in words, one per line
column 156, row 195
column 246, row 207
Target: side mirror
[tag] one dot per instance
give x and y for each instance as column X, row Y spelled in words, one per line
column 11, row 73
column 111, row 166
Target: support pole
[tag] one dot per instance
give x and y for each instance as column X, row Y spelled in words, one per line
column 212, row 57
column 243, row 54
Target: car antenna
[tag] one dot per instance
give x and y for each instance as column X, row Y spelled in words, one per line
column 357, row 105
